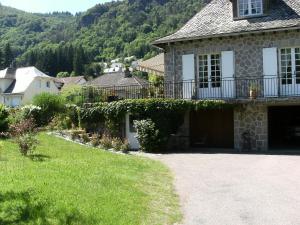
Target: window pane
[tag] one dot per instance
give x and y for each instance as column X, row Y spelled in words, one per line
column 256, row 7
column 286, row 66
column 244, row 7
column 215, row 71
column 297, row 64
column 203, row 71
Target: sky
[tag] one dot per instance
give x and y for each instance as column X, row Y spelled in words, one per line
column 45, row 6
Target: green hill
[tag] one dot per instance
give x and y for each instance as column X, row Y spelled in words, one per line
column 60, row 41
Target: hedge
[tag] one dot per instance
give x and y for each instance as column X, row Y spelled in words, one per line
column 167, row 114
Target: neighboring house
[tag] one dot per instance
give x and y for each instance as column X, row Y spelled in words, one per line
column 19, row 86
column 69, row 81
column 115, row 67
column 121, row 85
column 233, row 49
column 155, row 65
column 118, row 80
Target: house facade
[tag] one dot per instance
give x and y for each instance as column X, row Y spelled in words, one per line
column 246, row 52
column 19, row 86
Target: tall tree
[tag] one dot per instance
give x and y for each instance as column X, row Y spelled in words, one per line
column 1, row 60
column 8, row 56
column 78, row 61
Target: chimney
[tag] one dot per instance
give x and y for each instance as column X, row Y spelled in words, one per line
column 127, row 73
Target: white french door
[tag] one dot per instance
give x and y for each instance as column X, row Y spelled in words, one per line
column 290, row 71
column 209, row 76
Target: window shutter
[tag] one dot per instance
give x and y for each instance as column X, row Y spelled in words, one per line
column 235, row 8
column 270, row 67
column 188, row 76
column 266, row 6
column 188, row 67
column 228, row 67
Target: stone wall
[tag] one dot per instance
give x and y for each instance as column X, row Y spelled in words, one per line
column 251, row 127
column 248, row 51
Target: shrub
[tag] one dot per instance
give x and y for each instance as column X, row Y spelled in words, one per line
column 24, row 134
column 27, row 143
column 4, row 122
column 147, row 135
column 31, row 111
column 76, row 134
column 50, row 104
column 72, row 94
column 85, row 138
column 117, row 144
column 125, row 146
column 60, row 122
column 95, row 140
column 106, row 142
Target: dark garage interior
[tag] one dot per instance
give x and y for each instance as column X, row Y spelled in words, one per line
column 284, row 127
column 212, row 129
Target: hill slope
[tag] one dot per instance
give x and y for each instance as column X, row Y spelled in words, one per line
column 106, row 31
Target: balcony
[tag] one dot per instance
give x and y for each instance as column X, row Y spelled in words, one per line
column 225, row 89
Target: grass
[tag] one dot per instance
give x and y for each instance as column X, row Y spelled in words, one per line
column 66, row 183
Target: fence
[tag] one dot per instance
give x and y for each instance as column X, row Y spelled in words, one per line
column 235, row 88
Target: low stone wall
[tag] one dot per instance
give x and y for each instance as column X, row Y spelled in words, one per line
column 251, row 127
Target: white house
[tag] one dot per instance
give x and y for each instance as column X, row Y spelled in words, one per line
column 19, row 86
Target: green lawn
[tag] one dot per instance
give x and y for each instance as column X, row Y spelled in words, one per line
column 66, row 183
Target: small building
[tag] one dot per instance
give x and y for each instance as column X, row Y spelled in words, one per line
column 121, row 85
column 155, row 65
column 69, row 81
column 19, row 86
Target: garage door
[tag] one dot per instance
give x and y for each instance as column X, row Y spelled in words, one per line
column 212, row 128
column 284, row 127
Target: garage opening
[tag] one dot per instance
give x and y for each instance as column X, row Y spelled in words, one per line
column 284, row 127
column 212, row 129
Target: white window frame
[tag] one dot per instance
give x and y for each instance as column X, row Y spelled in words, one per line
column 209, row 71
column 294, row 78
column 250, row 9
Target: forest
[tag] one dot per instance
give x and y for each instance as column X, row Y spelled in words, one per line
column 76, row 44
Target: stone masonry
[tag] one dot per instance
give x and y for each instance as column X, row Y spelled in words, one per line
column 251, row 127
column 248, row 50
column 250, row 120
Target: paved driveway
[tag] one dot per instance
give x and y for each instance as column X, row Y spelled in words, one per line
column 228, row 189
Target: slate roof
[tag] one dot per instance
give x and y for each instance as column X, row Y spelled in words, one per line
column 156, row 64
column 216, row 19
column 70, row 80
column 117, row 79
column 23, row 78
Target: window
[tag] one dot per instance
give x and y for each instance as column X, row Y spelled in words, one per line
column 210, row 71
column 48, row 84
column 250, row 7
column 290, row 65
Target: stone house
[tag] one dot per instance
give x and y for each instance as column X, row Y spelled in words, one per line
column 246, row 52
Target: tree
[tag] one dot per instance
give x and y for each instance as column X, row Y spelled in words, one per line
column 79, row 61
column 8, row 55
column 1, row 60
column 62, row 74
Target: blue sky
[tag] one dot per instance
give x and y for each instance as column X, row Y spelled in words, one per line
column 44, row 6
